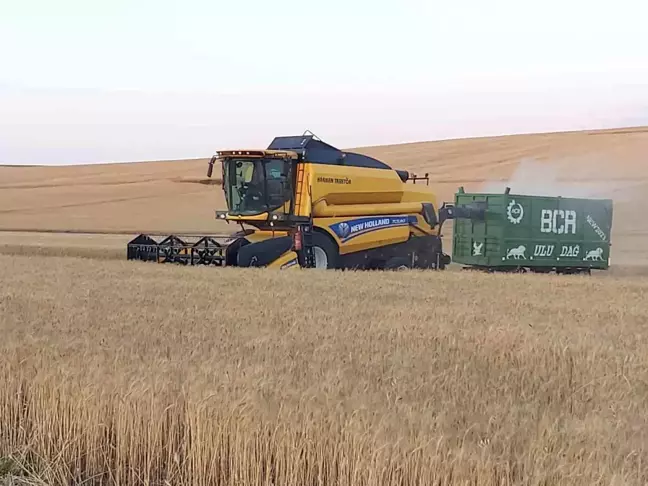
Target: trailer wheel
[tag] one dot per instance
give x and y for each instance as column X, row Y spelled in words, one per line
column 541, row 269
column 398, row 263
column 326, row 252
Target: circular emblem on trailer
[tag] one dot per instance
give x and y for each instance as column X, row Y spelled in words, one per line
column 344, row 229
column 514, row 212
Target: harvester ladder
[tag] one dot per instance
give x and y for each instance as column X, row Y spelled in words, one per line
column 300, row 188
column 307, row 255
column 309, row 252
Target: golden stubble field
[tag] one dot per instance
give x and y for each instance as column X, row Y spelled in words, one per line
column 133, row 373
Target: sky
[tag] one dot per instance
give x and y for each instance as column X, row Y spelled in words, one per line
column 89, row 81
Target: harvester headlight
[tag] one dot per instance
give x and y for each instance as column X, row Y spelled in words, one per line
column 221, row 214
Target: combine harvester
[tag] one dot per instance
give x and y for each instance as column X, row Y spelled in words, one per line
column 310, row 205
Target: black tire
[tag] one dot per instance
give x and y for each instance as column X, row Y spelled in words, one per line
column 541, row 269
column 398, row 263
column 231, row 253
column 262, row 253
column 323, row 246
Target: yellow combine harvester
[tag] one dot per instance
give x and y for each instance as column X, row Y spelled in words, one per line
column 311, row 205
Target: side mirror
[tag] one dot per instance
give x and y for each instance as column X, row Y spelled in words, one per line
column 210, row 168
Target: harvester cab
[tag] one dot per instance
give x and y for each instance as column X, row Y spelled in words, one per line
column 309, row 204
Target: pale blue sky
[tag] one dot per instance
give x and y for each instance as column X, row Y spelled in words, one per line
column 84, row 81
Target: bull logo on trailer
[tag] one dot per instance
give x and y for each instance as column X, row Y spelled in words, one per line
column 477, row 248
column 516, row 253
column 514, row 212
column 594, row 255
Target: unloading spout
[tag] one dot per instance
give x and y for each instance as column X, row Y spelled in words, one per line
column 475, row 211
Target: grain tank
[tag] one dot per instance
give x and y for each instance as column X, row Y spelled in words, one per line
column 536, row 233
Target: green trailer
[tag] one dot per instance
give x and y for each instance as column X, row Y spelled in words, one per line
column 536, row 233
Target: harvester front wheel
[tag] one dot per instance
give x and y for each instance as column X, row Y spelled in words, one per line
column 326, row 252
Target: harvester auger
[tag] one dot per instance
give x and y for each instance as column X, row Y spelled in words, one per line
column 308, row 204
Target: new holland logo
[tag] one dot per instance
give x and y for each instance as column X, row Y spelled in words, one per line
column 345, row 230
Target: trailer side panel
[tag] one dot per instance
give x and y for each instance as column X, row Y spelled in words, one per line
column 533, row 231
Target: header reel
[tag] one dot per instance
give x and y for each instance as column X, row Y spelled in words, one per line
column 173, row 249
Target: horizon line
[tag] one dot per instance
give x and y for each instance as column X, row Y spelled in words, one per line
column 589, row 131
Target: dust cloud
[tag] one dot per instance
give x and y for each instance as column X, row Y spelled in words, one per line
column 592, row 178
column 565, row 178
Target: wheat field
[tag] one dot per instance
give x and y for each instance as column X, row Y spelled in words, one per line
column 135, row 373
column 125, row 373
